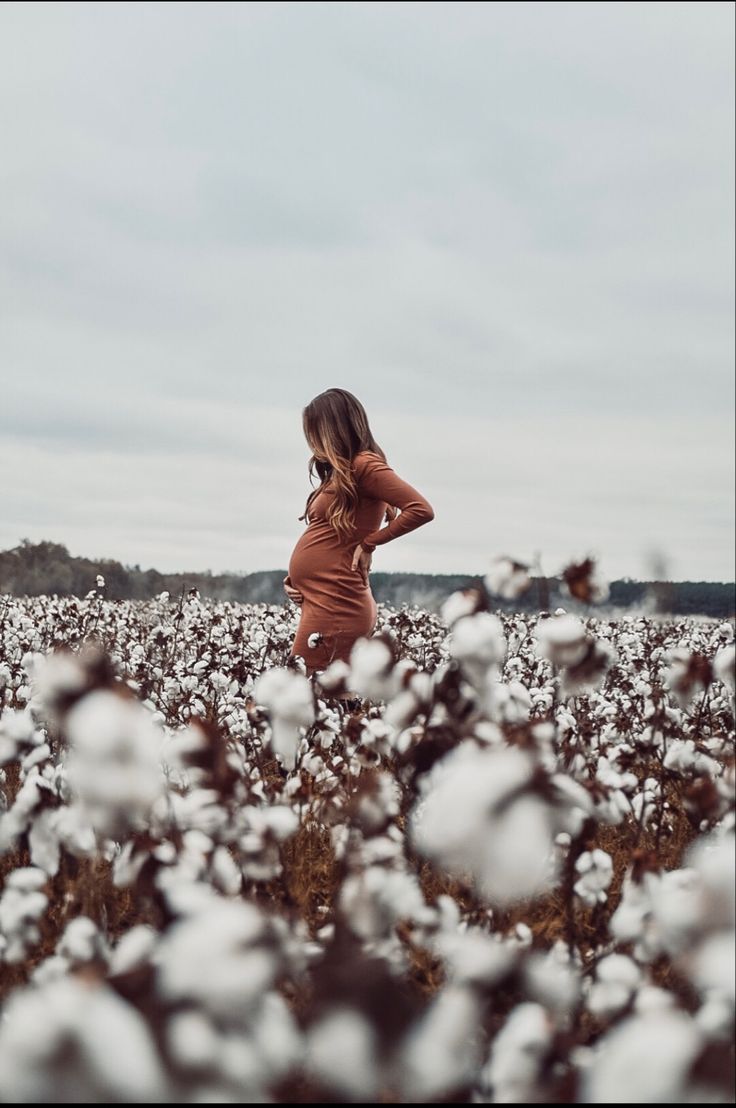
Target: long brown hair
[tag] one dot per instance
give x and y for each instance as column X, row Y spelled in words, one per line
column 336, row 427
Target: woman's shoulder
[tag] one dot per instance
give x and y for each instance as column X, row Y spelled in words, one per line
column 364, row 459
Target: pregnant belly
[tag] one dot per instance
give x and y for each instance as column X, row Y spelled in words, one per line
column 320, row 567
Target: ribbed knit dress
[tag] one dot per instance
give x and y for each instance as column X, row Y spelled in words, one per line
column 338, row 605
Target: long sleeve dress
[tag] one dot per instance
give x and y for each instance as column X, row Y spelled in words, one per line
column 338, row 606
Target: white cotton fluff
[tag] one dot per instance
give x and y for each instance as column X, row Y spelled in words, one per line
column 371, row 670
column 644, row 1060
column 457, row 605
column 68, row 1041
column 617, row 978
column 517, row 1053
column 478, row 641
column 212, row 957
column 476, row 818
column 472, row 956
column 724, row 666
column 290, row 702
column 114, row 766
column 552, row 979
column 562, row 640
column 442, row 1050
column 507, row 578
column 341, row 1052
column 595, row 869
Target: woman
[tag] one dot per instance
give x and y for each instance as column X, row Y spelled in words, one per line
column 329, row 566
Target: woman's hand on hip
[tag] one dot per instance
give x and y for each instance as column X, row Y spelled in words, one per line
column 362, row 561
column 291, row 592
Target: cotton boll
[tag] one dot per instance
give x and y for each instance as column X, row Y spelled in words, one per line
column 562, row 640
column 552, row 979
column 82, row 941
column 459, row 604
column 510, row 1075
column 657, row 914
column 466, row 822
column 512, row 702
column 21, row 905
column 478, row 641
column 54, row 677
column 644, row 1060
column 133, row 950
column 225, row 873
column 617, row 978
column 43, row 840
column 213, row 958
column 507, row 578
column 442, row 1051
column 290, row 703
column 18, row 734
column 472, row 956
column 713, row 859
column 712, row 966
column 341, row 1053
column 375, row 899
column 193, row 1041
column 71, row 1042
column 113, row 765
column 336, row 675
column 371, row 670
column 715, row 1018
column 276, row 1036
column 724, row 666
column 596, row 873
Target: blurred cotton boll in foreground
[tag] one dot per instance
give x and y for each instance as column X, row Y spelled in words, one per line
column 218, row 956
column 68, row 1042
column 371, row 669
column 114, row 764
column 480, row 816
column 688, row 674
column 290, row 703
column 517, row 1054
column 507, row 578
column 463, row 602
column 583, row 582
column 341, row 1053
column 724, row 666
column 562, row 639
column 55, row 678
column 478, row 643
column 644, row 1060
column 512, row 702
column 442, row 1052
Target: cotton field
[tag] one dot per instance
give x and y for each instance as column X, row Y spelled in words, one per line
column 506, row 876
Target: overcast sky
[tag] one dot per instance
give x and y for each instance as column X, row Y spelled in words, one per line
column 508, row 228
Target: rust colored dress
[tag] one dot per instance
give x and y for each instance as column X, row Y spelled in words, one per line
column 338, row 603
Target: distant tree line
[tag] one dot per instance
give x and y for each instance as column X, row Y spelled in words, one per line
column 33, row 569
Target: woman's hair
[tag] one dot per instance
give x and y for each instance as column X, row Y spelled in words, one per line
column 336, row 427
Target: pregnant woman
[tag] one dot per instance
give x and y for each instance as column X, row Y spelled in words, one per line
column 328, row 569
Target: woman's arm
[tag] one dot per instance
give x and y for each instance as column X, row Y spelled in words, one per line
column 375, row 478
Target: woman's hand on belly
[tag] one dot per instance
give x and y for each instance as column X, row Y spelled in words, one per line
column 291, row 592
column 362, row 561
